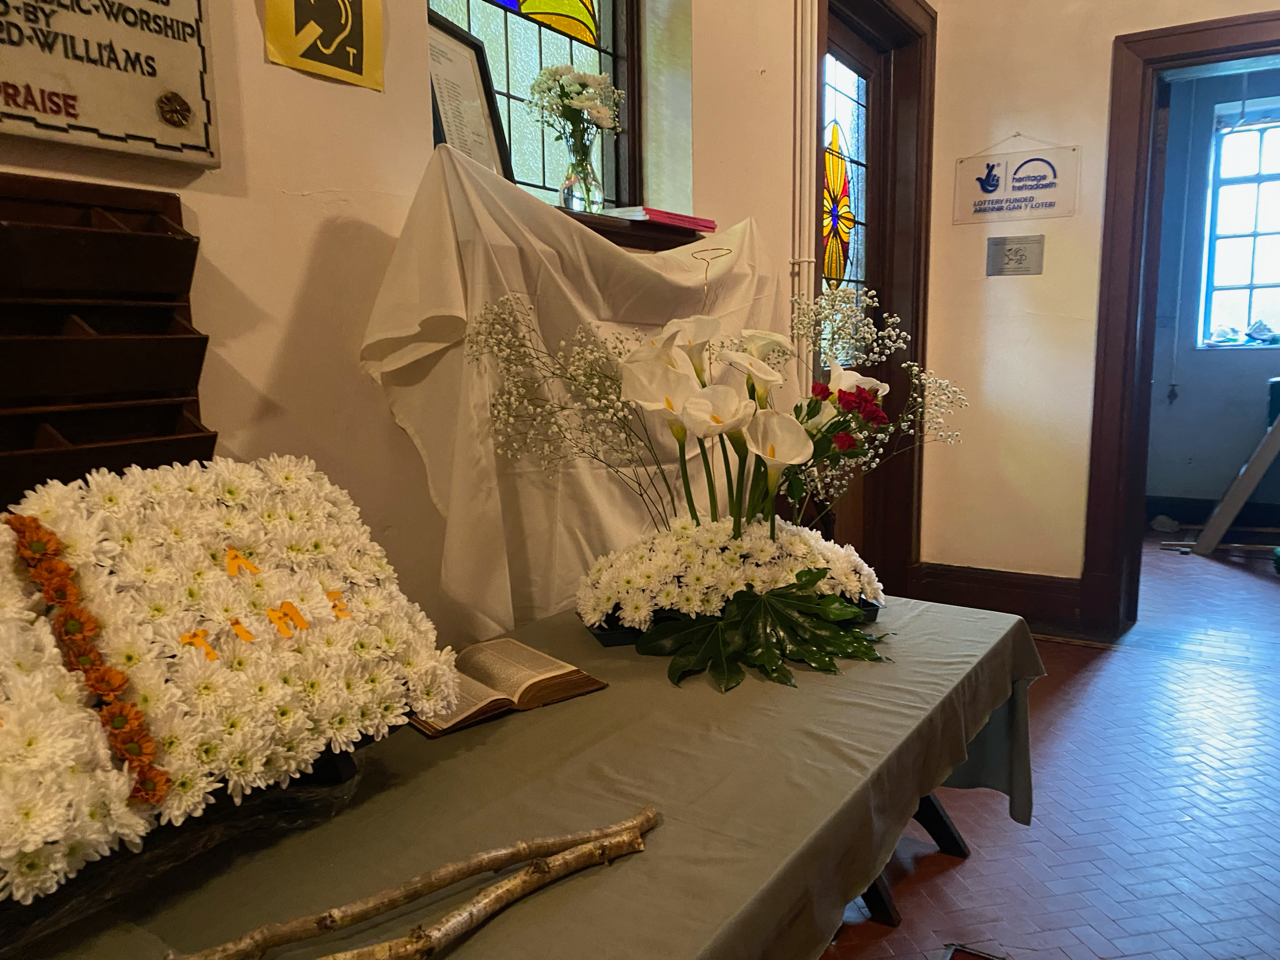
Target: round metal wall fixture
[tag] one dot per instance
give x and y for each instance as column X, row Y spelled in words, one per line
column 173, row 110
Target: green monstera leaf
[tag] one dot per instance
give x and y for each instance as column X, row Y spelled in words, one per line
column 763, row 630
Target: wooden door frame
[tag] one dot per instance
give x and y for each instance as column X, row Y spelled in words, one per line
column 1116, row 513
column 905, row 33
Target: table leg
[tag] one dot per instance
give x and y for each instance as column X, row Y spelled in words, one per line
column 878, row 899
column 934, row 819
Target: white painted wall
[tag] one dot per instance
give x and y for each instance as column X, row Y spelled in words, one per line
column 296, row 230
column 1012, row 496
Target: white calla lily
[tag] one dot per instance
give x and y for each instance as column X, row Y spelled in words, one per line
column 653, row 385
column 715, row 410
column 760, row 376
column 662, row 347
column 780, row 441
column 848, row 380
column 761, row 343
column 691, row 335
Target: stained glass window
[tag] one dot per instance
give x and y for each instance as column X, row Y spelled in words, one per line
column 1241, row 304
column 520, row 38
column 844, row 196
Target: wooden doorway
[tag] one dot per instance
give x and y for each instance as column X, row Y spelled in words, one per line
column 890, row 45
column 1130, row 258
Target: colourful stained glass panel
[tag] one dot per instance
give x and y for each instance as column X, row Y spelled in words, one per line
column 837, row 215
column 844, row 202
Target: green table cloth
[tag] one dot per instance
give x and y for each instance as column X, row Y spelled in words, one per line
column 779, row 805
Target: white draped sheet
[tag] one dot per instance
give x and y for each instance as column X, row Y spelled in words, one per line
column 518, row 539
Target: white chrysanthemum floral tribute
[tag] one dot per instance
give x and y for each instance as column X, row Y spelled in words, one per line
column 723, row 582
column 230, row 621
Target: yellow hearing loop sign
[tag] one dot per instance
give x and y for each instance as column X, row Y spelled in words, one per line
column 339, row 39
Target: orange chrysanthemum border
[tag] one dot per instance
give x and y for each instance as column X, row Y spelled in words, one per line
column 75, row 628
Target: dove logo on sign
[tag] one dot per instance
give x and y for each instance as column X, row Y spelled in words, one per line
column 989, row 182
column 331, row 32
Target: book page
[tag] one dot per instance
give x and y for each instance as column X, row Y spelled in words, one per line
column 472, row 697
column 508, row 666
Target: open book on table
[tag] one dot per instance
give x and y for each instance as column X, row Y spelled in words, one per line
column 497, row 676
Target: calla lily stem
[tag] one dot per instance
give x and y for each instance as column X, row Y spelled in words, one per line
column 688, row 491
column 728, row 473
column 712, row 497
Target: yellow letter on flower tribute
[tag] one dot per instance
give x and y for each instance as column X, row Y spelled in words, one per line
column 282, row 618
column 197, row 639
column 236, row 563
column 339, row 605
column 241, row 632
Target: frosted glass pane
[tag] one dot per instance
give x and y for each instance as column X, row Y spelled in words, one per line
column 489, row 24
column 1266, row 260
column 523, row 63
column 555, row 49
column 585, row 59
column 862, row 91
column 841, row 77
column 1230, row 310
column 557, row 158
column 1233, row 262
column 856, row 268
column 455, row 10
column 1240, row 154
column 550, row 196
column 526, row 144
column 858, row 133
column 858, row 191
column 1271, row 151
column 1269, row 207
column 1237, row 205
column 504, row 110
column 1266, row 307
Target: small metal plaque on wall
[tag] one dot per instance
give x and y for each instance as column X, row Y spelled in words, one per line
column 1015, row 256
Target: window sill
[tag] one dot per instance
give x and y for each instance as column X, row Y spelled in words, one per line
column 636, row 234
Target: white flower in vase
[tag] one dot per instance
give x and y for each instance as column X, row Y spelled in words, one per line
column 762, row 344
column 691, row 335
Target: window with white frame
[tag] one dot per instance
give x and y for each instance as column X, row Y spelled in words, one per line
column 1241, row 303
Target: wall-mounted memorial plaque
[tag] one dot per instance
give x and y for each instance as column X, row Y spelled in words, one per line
column 122, row 76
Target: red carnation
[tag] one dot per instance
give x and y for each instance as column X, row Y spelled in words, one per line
column 821, row 390
column 848, row 402
column 844, row 441
column 874, row 415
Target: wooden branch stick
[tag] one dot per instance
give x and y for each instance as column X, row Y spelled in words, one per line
column 257, row 942
column 429, row 941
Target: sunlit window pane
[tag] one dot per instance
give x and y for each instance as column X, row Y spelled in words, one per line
column 844, row 210
column 1230, row 311
column 1237, row 206
column 1233, row 262
column 489, row 23
column 526, row 145
column 1266, row 260
column 1240, row 154
column 1269, row 207
column 1266, row 307
column 1271, row 151
column 455, row 10
column 555, row 48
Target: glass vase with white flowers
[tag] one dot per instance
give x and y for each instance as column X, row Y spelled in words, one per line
column 722, row 582
column 577, row 106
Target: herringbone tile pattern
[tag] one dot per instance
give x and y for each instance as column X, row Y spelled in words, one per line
column 1157, row 826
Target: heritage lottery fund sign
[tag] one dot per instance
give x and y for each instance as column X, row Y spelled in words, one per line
column 1026, row 185
column 124, row 76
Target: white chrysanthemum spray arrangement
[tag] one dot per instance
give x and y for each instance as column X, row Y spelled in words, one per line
column 172, row 633
column 722, row 583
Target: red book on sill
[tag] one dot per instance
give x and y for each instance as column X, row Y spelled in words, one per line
column 701, row 224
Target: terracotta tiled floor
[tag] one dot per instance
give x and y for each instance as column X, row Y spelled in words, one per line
column 1157, row 778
